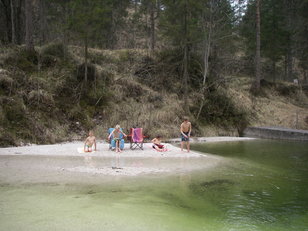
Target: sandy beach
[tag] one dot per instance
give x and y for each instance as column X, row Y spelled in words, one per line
column 36, row 162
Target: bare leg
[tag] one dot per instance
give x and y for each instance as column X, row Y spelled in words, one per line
column 188, row 146
column 182, row 143
column 118, row 146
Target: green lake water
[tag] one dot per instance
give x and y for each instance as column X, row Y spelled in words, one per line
column 262, row 185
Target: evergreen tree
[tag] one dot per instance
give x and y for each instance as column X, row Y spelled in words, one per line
column 180, row 24
column 273, row 37
column 89, row 19
column 302, row 38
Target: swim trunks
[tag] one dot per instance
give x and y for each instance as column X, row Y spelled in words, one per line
column 183, row 137
column 160, row 146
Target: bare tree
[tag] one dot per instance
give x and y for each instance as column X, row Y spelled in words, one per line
column 206, row 53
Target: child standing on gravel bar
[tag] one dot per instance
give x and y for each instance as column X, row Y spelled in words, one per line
column 157, row 144
column 89, row 142
column 185, row 134
column 116, row 136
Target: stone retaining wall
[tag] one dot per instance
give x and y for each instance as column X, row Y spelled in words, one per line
column 276, row 133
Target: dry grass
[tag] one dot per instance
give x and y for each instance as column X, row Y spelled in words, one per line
column 129, row 101
column 134, row 104
column 272, row 110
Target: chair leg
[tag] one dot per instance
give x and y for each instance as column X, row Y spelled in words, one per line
column 133, row 146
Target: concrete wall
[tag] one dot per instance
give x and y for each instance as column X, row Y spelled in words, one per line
column 276, row 133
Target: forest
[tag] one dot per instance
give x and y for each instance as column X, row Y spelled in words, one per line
column 68, row 66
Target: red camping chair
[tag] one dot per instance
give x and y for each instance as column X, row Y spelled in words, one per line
column 136, row 138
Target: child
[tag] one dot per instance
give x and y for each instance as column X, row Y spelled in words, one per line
column 185, row 133
column 116, row 136
column 88, row 144
column 157, row 144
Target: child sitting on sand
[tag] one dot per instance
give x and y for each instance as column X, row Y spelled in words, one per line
column 116, row 136
column 157, row 144
column 88, row 144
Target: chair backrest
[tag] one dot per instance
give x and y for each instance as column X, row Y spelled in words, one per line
column 111, row 129
column 137, row 135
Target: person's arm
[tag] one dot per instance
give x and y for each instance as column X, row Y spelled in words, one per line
column 153, row 141
column 111, row 134
column 85, row 142
column 189, row 129
column 123, row 133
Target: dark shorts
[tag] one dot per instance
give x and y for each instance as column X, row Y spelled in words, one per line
column 183, row 137
column 160, row 146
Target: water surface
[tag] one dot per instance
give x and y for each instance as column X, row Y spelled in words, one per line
column 262, row 185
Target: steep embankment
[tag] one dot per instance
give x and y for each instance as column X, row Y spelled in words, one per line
column 45, row 99
column 280, row 104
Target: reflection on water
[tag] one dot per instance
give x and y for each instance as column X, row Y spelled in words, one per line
column 262, row 186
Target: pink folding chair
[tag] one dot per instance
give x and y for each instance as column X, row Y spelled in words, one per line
column 136, row 138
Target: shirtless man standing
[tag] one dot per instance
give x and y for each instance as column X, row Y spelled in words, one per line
column 185, row 133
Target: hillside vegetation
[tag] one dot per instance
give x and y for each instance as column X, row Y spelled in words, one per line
column 44, row 97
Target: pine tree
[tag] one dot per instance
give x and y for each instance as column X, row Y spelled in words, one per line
column 88, row 20
column 180, row 24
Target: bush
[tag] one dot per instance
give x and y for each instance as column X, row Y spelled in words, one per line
column 22, row 59
column 39, row 97
column 7, row 139
column 221, row 111
column 287, row 91
column 53, row 49
column 126, row 56
column 80, row 73
column 14, row 109
column 6, row 82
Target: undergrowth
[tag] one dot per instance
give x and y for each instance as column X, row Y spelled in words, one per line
column 45, row 97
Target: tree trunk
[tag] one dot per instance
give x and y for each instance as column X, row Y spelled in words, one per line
column 147, row 43
column 19, row 26
column 7, row 34
column 207, row 45
column 185, row 62
column 158, row 8
column 112, row 35
column 86, row 59
column 274, row 70
column 13, row 21
column 290, row 29
column 207, row 48
column 152, row 22
column 289, row 61
column 29, row 26
column 43, row 22
column 185, row 78
column 65, row 30
column 285, row 67
column 258, row 47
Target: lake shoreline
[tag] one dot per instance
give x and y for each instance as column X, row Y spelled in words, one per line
column 67, row 159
